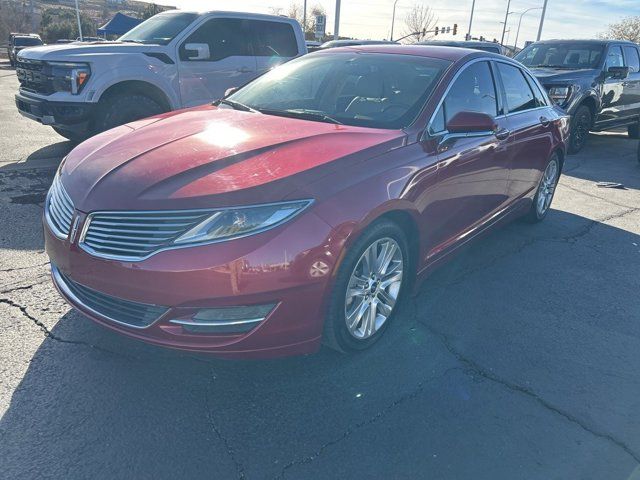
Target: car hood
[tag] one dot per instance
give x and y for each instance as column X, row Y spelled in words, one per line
column 210, row 157
column 558, row 75
column 83, row 51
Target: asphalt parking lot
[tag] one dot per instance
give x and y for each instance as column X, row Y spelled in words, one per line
column 517, row 360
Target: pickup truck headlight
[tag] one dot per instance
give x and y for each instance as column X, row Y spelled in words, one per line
column 69, row 77
column 232, row 223
column 559, row 94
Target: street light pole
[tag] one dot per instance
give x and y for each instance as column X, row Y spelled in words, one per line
column 304, row 19
column 79, row 24
column 544, row 11
column 504, row 27
column 515, row 45
column 473, row 6
column 336, row 27
column 393, row 18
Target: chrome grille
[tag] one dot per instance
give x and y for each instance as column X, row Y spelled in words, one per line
column 136, row 235
column 126, row 312
column 59, row 209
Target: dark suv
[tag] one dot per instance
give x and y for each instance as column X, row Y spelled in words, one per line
column 596, row 81
column 20, row 41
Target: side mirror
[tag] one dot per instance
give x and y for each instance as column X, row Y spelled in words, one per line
column 230, row 91
column 619, row 73
column 471, row 122
column 197, row 51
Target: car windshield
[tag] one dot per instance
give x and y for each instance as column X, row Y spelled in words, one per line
column 561, row 55
column 363, row 89
column 26, row 41
column 159, row 29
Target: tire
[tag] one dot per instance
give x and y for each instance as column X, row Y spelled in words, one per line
column 634, row 131
column 337, row 335
column 75, row 137
column 122, row 108
column 580, row 125
column 547, row 187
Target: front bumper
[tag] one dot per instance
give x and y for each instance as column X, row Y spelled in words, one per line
column 72, row 116
column 268, row 268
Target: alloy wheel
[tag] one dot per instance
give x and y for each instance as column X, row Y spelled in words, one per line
column 373, row 288
column 547, row 187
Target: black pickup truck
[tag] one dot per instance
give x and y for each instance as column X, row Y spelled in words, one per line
column 596, row 81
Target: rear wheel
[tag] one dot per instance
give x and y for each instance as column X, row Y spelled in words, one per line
column 545, row 192
column 123, row 108
column 634, row 131
column 580, row 126
column 369, row 285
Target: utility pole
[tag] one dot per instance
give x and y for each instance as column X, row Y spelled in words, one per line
column 473, row 7
column 544, row 11
column 504, row 27
column 79, row 24
column 304, row 19
column 336, row 27
column 393, row 18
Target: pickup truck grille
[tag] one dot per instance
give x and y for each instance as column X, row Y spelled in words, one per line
column 34, row 77
column 136, row 235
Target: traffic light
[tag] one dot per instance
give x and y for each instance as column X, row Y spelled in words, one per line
column 455, row 28
column 437, row 30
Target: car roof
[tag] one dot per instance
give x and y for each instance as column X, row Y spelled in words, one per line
column 452, row 54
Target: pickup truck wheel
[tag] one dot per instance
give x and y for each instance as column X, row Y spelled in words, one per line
column 124, row 108
column 634, row 131
column 75, row 137
column 580, row 126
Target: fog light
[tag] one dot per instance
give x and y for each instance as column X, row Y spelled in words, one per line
column 225, row 320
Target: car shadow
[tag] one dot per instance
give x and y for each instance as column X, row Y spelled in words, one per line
column 93, row 404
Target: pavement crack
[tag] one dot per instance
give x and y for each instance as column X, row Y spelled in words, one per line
column 16, row 269
column 214, row 426
column 357, row 426
column 472, row 366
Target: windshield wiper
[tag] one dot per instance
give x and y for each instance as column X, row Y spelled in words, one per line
column 237, row 105
column 302, row 114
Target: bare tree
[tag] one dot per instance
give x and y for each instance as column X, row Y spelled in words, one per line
column 626, row 29
column 419, row 19
column 296, row 12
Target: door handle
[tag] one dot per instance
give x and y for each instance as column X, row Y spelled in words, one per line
column 502, row 133
column 243, row 70
column 544, row 121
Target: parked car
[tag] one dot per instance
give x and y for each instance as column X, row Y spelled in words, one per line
column 173, row 60
column 312, row 45
column 475, row 45
column 596, row 81
column 300, row 208
column 352, row 43
column 20, row 41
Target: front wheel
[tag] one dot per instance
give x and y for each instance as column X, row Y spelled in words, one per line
column 545, row 192
column 123, row 108
column 369, row 285
column 580, row 126
column 75, row 137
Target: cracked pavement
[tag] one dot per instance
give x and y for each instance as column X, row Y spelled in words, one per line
column 518, row 359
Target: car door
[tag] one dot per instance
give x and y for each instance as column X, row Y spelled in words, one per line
column 612, row 106
column 214, row 58
column 631, row 84
column 530, row 120
column 472, row 169
column 274, row 43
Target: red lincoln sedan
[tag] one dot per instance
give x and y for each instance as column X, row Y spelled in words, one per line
column 300, row 209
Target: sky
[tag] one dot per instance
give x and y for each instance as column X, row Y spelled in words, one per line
column 371, row 19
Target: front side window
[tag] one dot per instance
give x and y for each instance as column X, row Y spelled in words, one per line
column 273, row 39
column 225, row 37
column 159, row 29
column 364, row 89
column 516, row 89
column 571, row 56
column 633, row 61
column 614, row 57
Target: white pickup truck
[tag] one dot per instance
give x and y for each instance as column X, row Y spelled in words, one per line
column 175, row 59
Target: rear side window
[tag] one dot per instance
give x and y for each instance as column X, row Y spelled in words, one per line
column 226, row 37
column 632, row 58
column 472, row 91
column 517, row 91
column 273, row 39
column 541, row 99
column 614, row 57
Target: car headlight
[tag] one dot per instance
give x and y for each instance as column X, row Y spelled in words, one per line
column 559, row 94
column 232, row 223
column 69, row 76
